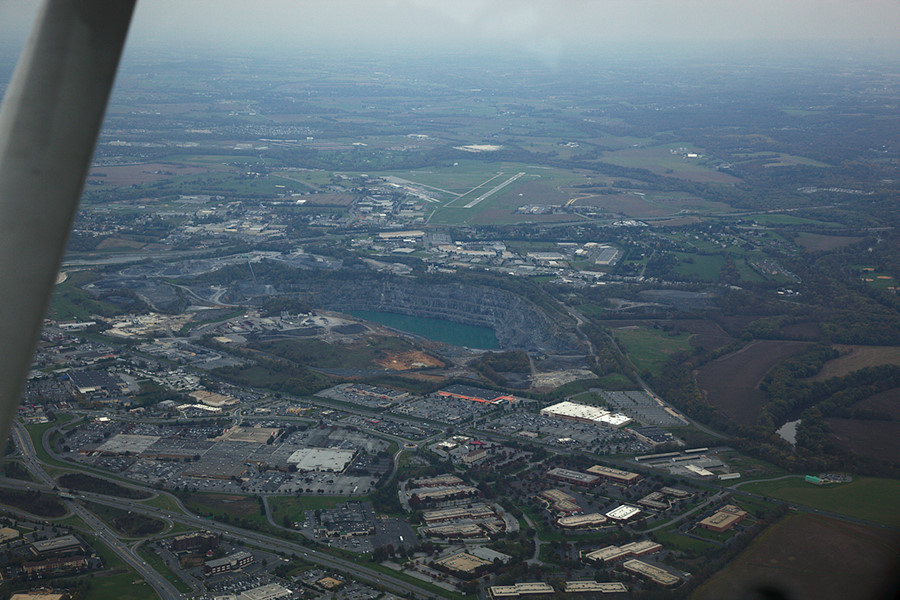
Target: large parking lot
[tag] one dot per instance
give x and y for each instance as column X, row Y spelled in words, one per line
column 596, row 438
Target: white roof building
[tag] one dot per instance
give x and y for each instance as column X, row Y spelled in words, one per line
column 586, row 414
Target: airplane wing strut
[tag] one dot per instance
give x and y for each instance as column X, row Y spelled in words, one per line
column 49, row 123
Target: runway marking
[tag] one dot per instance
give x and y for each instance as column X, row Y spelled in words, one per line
column 493, row 190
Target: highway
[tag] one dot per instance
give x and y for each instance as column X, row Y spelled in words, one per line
column 163, row 588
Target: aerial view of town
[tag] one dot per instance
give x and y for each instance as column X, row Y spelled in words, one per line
column 353, row 327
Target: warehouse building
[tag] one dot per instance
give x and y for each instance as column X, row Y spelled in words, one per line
column 332, row 460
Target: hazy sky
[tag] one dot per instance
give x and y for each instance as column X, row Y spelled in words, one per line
column 538, row 26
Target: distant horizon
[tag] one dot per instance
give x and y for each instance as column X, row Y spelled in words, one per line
column 547, row 31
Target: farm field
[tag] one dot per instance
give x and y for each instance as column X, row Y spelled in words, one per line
column 120, row 176
column 878, row 439
column 815, row 242
column 810, row 557
column 866, row 498
column 730, row 383
column 854, row 358
column 704, row 267
column 885, row 402
column 661, row 161
column 779, row 159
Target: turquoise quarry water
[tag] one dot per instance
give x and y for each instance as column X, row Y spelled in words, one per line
column 438, row 330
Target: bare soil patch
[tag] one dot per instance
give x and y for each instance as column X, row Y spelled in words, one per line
column 854, row 358
column 731, row 382
column 811, row 557
column 707, row 334
column 407, row 361
column 877, row 439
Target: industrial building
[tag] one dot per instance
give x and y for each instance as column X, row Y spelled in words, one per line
column 584, row 413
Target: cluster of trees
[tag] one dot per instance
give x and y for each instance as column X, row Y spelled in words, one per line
column 492, row 364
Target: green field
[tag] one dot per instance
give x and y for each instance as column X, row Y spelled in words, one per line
column 157, row 564
column 70, row 302
column 119, row 586
column 700, row 266
column 229, row 508
column 675, row 541
column 125, row 522
column 777, row 219
column 649, row 349
column 164, row 502
column 660, row 160
column 866, row 498
column 123, row 586
column 36, row 432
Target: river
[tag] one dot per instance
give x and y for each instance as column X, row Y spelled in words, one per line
column 439, row 330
